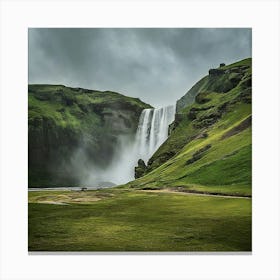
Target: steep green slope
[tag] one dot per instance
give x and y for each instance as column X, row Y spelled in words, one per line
column 209, row 149
column 67, row 126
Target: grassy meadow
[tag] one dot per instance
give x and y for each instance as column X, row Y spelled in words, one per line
column 125, row 220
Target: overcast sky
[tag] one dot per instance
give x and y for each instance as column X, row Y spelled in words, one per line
column 156, row 65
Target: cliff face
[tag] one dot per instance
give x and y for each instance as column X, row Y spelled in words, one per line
column 210, row 139
column 66, row 125
column 220, row 80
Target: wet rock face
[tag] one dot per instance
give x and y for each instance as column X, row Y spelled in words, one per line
column 119, row 121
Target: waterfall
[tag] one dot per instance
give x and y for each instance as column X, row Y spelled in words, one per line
column 153, row 130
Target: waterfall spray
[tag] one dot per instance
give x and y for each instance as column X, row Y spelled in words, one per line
column 153, row 130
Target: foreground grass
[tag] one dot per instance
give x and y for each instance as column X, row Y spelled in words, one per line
column 139, row 221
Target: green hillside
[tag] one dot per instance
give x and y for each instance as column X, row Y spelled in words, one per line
column 64, row 123
column 210, row 145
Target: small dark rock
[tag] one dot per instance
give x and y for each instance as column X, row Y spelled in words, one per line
column 201, row 98
column 198, row 154
column 216, row 72
column 140, row 169
column 223, row 108
column 237, row 129
column 141, row 163
column 171, row 127
column 192, row 114
column 202, row 135
column 246, row 83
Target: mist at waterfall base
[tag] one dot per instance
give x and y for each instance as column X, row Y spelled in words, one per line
column 152, row 131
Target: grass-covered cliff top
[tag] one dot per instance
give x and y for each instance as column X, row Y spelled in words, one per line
column 67, row 106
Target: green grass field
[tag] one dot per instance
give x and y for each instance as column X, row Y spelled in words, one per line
column 123, row 220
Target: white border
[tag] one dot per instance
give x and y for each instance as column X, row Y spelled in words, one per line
column 262, row 16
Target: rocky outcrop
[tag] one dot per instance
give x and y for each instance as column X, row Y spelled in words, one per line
column 239, row 128
column 198, row 154
column 220, row 80
column 140, row 169
column 216, row 72
column 189, row 97
column 201, row 98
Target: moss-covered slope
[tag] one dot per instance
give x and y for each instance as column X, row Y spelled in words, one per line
column 209, row 149
column 64, row 121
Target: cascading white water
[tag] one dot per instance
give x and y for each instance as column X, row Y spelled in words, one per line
column 153, row 130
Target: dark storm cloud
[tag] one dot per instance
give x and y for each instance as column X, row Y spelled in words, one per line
column 157, row 65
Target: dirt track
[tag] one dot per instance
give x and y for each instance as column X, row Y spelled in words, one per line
column 194, row 193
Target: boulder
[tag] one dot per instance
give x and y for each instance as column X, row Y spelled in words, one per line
column 140, row 169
